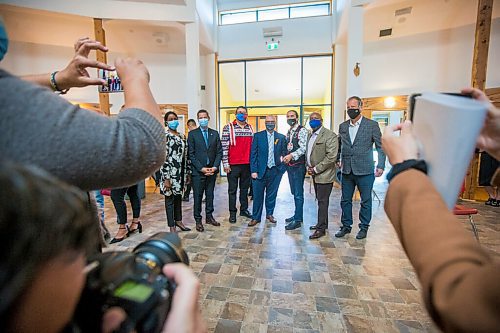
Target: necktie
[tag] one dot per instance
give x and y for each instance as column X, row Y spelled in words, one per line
column 205, row 136
column 270, row 155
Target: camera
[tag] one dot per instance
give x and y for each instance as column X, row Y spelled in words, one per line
column 132, row 281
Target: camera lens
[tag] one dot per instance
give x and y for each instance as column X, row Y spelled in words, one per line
column 162, row 248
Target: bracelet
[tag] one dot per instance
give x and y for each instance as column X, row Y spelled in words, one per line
column 405, row 165
column 54, row 86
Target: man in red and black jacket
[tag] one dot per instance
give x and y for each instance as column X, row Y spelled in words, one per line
column 236, row 142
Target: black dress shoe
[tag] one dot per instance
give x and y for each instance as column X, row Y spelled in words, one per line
column 317, row 234
column 290, row 219
column 361, row 234
column 271, row 219
column 489, row 202
column 313, row 227
column 211, row 220
column 232, row 217
column 293, row 225
column 246, row 213
column 342, row 232
column 199, row 227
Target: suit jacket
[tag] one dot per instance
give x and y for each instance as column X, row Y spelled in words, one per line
column 323, row 156
column 260, row 150
column 357, row 156
column 460, row 280
column 198, row 150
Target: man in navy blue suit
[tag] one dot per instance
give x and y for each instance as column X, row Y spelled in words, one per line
column 267, row 168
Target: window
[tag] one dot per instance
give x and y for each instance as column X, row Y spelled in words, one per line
column 242, row 17
column 308, row 9
column 272, row 14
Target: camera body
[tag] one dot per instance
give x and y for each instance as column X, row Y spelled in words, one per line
column 132, row 281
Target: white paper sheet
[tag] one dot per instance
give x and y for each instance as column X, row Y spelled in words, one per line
column 447, row 128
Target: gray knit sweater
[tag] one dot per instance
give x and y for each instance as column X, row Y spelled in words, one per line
column 76, row 145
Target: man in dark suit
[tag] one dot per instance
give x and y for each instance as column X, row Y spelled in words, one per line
column 358, row 134
column 205, row 153
column 267, row 168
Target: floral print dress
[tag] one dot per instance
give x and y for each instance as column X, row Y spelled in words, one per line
column 176, row 167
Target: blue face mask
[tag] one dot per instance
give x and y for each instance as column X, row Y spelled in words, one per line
column 270, row 126
column 173, row 124
column 4, row 40
column 203, row 122
column 241, row 116
column 314, row 123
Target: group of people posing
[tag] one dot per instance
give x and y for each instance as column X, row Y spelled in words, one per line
column 260, row 159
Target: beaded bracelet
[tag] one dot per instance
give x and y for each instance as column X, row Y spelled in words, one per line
column 54, row 86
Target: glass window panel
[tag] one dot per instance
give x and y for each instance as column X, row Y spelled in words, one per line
column 273, row 14
column 317, row 80
column 307, row 11
column 273, row 82
column 244, row 17
column 232, row 84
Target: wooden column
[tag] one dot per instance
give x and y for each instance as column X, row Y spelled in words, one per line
column 479, row 66
column 100, row 36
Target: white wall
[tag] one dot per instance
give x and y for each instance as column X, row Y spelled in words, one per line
column 433, row 61
column 167, row 71
column 301, row 36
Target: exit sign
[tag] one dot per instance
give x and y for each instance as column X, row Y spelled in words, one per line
column 272, row 46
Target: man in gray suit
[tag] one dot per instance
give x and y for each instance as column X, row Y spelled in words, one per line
column 321, row 154
column 357, row 135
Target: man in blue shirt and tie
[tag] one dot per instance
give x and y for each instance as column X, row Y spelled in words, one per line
column 267, row 168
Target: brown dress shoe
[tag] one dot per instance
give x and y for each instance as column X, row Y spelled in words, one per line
column 199, row 227
column 253, row 223
column 317, row 234
column 211, row 220
column 271, row 219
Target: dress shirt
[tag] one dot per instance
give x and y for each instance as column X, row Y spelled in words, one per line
column 353, row 129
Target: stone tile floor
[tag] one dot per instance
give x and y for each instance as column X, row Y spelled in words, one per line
column 266, row 279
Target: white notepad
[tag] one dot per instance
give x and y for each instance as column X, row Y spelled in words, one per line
column 447, row 128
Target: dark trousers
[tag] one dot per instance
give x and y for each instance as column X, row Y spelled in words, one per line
column 323, row 192
column 239, row 173
column 188, row 191
column 296, row 175
column 118, row 198
column 203, row 184
column 173, row 208
column 365, row 187
column 270, row 184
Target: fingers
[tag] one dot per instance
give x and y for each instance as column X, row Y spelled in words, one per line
column 188, row 286
column 85, row 62
column 89, row 81
column 79, row 42
column 389, row 130
column 112, row 319
column 406, row 128
column 476, row 94
column 83, row 47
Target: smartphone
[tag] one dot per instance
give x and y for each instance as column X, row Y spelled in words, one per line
column 113, row 82
column 412, row 100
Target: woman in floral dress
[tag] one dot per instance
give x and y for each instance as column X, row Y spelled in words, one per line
column 175, row 172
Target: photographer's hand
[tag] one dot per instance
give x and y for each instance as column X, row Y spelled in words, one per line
column 185, row 315
column 135, row 81
column 75, row 74
column 400, row 148
column 489, row 139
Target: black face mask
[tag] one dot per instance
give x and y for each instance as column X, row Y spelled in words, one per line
column 291, row 121
column 353, row 113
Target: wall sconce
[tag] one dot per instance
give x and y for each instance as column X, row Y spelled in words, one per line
column 389, row 102
column 356, row 70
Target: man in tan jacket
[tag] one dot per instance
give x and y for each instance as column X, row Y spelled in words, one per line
column 321, row 154
column 460, row 279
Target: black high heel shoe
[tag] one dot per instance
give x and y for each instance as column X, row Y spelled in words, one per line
column 139, row 228
column 117, row 240
column 182, row 227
